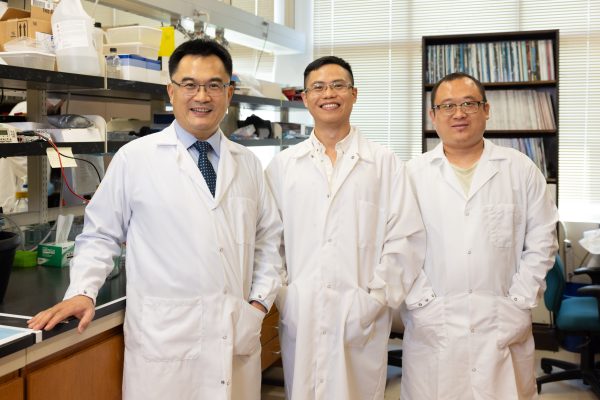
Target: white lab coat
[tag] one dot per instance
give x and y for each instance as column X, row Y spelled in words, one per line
column 193, row 262
column 468, row 319
column 365, row 236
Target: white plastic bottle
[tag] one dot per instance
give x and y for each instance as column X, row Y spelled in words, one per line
column 98, row 38
column 72, row 31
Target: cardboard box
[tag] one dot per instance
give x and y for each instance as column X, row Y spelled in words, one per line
column 17, row 23
column 55, row 254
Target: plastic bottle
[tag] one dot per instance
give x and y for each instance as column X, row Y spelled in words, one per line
column 22, row 204
column 98, row 38
column 113, row 64
column 72, row 31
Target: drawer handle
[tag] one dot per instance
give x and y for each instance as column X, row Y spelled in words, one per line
column 277, row 353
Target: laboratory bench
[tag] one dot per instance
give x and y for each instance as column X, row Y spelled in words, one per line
column 61, row 363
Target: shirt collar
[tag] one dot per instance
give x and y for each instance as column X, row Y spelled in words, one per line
column 188, row 140
column 342, row 146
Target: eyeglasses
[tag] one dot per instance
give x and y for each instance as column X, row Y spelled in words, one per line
column 319, row 88
column 212, row 88
column 468, row 107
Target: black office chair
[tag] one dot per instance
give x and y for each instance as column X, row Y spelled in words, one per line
column 573, row 316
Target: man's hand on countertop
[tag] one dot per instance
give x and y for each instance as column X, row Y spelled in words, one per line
column 81, row 307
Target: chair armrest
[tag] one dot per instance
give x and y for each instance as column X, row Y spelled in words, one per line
column 592, row 272
column 590, row 290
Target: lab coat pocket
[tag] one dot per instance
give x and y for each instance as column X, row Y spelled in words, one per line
column 368, row 215
column 287, row 304
column 428, row 324
column 513, row 325
column 361, row 317
column 172, row 329
column 246, row 335
column 501, row 221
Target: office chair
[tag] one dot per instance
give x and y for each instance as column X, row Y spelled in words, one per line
column 395, row 356
column 573, row 316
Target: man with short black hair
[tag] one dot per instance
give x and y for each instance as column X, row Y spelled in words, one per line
column 202, row 236
column 490, row 241
column 353, row 242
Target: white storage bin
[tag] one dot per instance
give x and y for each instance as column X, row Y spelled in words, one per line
column 29, row 59
column 142, row 34
column 133, row 73
column 133, row 48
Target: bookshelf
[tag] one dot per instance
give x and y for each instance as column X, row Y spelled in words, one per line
column 519, row 71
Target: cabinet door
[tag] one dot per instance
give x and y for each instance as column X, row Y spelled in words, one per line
column 269, row 339
column 12, row 390
column 94, row 373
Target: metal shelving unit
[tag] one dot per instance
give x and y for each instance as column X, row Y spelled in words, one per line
column 38, row 83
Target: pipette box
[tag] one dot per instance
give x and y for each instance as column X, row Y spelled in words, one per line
column 56, row 255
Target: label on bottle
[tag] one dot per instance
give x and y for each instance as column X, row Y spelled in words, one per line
column 70, row 34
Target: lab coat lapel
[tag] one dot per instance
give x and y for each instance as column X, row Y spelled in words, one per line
column 445, row 169
column 227, row 168
column 185, row 162
column 486, row 169
column 169, row 142
column 358, row 150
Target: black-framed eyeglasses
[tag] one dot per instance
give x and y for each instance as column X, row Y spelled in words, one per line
column 468, row 107
column 213, row 88
column 321, row 87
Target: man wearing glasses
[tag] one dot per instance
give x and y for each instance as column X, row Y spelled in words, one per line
column 202, row 236
column 490, row 241
column 353, row 242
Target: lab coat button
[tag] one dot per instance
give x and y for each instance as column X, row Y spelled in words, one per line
column 474, row 370
column 220, row 249
column 515, row 299
column 420, row 304
column 470, row 291
column 222, row 382
column 323, row 333
column 328, row 196
column 260, row 296
column 224, row 337
column 469, row 252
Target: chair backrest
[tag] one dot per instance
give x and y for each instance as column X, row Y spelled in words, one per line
column 555, row 286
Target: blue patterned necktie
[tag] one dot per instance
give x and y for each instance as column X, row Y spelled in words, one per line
column 208, row 172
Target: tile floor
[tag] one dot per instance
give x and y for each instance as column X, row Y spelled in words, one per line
column 567, row 390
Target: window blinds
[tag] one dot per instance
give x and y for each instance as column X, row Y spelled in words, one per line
column 381, row 39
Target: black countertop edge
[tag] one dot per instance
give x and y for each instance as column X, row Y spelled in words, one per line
column 73, row 322
column 17, row 344
column 29, row 340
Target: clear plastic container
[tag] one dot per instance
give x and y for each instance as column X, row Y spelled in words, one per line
column 142, row 34
column 29, row 59
column 113, row 64
column 72, row 30
column 22, row 204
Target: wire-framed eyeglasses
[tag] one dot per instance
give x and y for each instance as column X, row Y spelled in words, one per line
column 319, row 88
column 468, row 107
column 212, row 88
